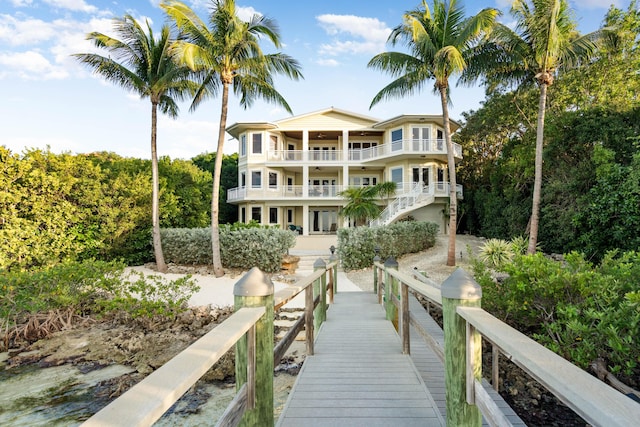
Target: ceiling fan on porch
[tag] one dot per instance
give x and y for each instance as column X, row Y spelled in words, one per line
column 321, row 135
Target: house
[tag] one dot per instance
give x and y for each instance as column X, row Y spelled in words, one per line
column 291, row 171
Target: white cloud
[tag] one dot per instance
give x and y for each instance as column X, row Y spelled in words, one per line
column 363, row 35
column 30, row 65
column 503, row 3
column 328, row 62
column 23, row 32
column 75, row 5
column 246, row 13
column 21, row 3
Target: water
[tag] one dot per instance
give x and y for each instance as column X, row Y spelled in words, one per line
column 66, row 396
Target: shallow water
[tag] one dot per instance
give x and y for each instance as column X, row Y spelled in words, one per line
column 64, row 396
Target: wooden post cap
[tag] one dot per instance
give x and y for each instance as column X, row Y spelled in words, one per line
column 253, row 284
column 319, row 264
column 460, row 285
column 391, row 263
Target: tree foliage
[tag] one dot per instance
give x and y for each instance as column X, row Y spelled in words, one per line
column 56, row 207
column 593, row 121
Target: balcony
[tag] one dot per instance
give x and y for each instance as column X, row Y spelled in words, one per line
column 323, row 192
column 426, row 147
column 239, row 194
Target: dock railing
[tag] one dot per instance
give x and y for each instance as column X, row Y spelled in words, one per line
column 465, row 323
column 250, row 329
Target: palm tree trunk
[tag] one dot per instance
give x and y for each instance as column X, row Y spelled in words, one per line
column 537, row 182
column 451, row 163
column 218, row 271
column 155, row 203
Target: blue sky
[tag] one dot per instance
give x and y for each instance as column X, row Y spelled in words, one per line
column 48, row 99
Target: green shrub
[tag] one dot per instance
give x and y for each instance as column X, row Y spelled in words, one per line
column 496, row 252
column 580, row 311
column 88, row 286
column 356, row 246
column 240, row 247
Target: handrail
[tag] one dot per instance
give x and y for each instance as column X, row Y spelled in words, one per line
column 583, row 393
column 592, row 399
column 148, row 400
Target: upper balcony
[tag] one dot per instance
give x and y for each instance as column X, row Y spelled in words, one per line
column 436, row 148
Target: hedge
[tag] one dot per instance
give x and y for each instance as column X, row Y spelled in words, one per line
column 356, row 246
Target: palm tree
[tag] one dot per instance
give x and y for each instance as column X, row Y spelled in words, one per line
column 142, row 64
column 361, row 204
column 544, row 41
column 227, row 54
column 441, row 44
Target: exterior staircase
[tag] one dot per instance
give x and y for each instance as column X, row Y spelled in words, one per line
column 403, row 204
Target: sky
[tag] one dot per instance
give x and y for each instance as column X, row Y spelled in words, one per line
column 48, row 99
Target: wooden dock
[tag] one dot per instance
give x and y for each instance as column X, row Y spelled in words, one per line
column 358, row 375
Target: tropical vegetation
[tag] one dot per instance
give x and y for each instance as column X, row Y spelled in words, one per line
column 142, row 64
column 441, row 43
column 362, row 202
column 225, row 53
column 543, row 43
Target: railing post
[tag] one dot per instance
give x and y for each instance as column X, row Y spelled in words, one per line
column 404, row 306
column 321, row 286
column 334, row 273
column 376, row 258
column 391, row 291
column 460, row 289
column 255, row 289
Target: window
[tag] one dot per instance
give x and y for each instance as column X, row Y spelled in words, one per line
column 243, row 145
column 257, row 143
column 243, row 215
column 273, row 143
column 396, row 140
column 290, row 216
column 256, row 213
column 256, row 179
column 396, row 176
column 273, row 180
column 243, row 179
column 273, row 215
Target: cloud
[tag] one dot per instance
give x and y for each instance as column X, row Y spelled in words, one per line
column 74, row 5
column 24, row 32
column 353, row 34
column 328, row 62
column 30, row 65
column 21, row 3
column 246, row 13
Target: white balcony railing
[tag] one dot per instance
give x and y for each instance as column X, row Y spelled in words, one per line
column 405, row 146
column 283, row 192
column 438, row 189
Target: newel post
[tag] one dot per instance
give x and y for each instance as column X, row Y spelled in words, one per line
column 334, row 273
column 460, row 289
column 255, row 289
column 376, row 258
column 320, row 288
column 391, row 291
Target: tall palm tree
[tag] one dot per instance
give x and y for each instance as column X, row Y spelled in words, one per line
column 544, row 41
column 143, row 64
column 441, row 44
column 226, row 53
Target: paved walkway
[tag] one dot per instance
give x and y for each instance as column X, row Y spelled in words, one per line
column 358, row 376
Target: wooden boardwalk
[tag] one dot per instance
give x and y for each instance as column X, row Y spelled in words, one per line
column 359, row 376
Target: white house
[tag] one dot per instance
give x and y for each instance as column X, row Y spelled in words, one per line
column 291, row 171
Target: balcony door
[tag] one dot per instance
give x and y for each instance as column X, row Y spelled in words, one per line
column 420, row 174
column 421, row 138
column 323, row 220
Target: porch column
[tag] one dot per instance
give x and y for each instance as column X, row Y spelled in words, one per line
column 305, row 220
column 305, row 166
column 345, row 169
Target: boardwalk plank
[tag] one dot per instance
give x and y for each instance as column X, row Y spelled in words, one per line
column 358, row 376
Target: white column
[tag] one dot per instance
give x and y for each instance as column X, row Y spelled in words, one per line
column 305, row 164
column 345, row 168
column 305, row 220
